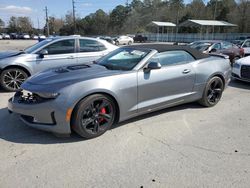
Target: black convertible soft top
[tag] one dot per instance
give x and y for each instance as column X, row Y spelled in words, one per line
column 167, row 47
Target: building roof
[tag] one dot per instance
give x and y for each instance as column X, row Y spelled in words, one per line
column 163, row 24
column 160, row 47
column 198, row 23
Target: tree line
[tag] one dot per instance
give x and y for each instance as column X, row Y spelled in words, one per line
column 136, row 17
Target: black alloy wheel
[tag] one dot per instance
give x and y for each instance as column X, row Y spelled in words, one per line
column 93, row 116
column 11, row 79
column 213, row 92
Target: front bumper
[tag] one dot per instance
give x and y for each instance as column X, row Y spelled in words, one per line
column 46, row 115
column 237, row 77
column 238, row 74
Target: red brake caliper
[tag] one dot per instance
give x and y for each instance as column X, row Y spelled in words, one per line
column 103, row 111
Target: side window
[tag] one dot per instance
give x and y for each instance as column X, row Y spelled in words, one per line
column 91, row 46
column 217, row 46
column 61, row 47
column 246, row 44
column 226, row 45
column 173, row 58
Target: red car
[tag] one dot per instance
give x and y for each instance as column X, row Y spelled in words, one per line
column 221, row 47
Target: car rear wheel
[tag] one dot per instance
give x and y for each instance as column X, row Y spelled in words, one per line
column 129, row 42
column 213, row 92
column 11, row 79
column 93, row 116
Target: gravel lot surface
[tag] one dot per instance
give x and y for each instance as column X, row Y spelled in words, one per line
column 184, row 146
column 15, row 44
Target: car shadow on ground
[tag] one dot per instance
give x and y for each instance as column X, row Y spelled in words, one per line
column 239, row 84
column 193, row 105
column 14, row 130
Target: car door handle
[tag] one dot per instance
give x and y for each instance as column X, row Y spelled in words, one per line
column 70, row 57
column 186, row 71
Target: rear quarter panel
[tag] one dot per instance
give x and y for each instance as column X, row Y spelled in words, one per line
column 207, row 68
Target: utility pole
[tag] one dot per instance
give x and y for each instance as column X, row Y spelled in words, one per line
column 74, row 15
column 177, row 22
column 215, row 13
column 47, row 20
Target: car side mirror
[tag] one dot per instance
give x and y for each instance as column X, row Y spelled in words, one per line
column 152, row 66
column 213, row 50
column 43, row 53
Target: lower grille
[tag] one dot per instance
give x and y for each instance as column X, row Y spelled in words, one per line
column 245, row 72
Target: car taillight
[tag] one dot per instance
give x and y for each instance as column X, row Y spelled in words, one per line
column 242, row 51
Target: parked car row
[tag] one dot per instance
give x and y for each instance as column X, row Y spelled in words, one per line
column 4, row 36
column 124, row 39
column 24, row 36
column 236, row 53
column 219, row 47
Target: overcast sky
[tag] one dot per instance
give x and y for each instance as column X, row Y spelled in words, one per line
column 57, row 8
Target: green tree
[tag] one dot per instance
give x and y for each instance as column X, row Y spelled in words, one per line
column 55, row 24
column 117, row 18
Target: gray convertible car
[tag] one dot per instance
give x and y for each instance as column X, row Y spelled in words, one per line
column 129, row 81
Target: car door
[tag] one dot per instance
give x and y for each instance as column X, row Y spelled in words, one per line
column 228, row 49
column 90, row 50
column 59, row 53
column 246, row 47
column 171, row 84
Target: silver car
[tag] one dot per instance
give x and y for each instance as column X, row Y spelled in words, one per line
column 16, row 67
column 241, row 69
column 128, row 82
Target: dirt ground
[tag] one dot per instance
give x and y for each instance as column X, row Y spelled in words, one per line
column 15, row 44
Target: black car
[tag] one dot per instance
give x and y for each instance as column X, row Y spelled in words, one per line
column 140, row 38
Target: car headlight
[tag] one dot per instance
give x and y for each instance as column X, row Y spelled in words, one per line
column 48, row 95
column 236, row 65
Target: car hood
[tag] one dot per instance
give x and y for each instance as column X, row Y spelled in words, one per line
column 69, row 75
column 10, row 54
column 244, row 60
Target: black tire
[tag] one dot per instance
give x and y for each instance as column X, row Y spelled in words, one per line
column 129, row 42
column 116, row 43
column 212, row 92
column 11, row 79
column 93, row 116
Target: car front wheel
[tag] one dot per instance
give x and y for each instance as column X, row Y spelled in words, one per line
column 212, row 92
column 93, row 116
column 11, row 79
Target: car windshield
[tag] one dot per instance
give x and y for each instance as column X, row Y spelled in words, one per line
column 123, row 58
column 37, row 46
column 201, row 46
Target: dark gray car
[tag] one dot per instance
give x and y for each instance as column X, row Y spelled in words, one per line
column 16, row 67
column 125, row 83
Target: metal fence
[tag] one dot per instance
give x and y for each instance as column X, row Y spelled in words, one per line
column 190, row 37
